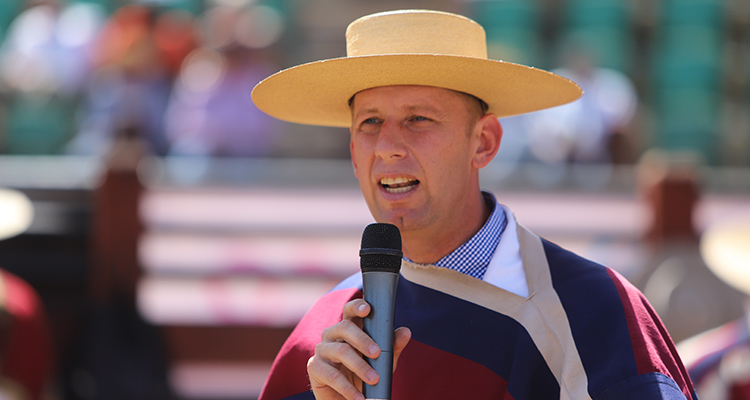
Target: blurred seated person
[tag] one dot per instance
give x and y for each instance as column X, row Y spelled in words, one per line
column 210, row 111
column 137, row 54
column 584, row 131
column 718, row 360
column 43, row 67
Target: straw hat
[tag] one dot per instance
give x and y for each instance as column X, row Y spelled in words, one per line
column 725, row 247
column 409, row 47
column 16, row 213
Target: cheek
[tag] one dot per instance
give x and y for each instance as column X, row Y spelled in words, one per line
column 356, row 151
column 452, row 168
column 362, row 164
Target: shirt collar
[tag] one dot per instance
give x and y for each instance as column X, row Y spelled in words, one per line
column 473, row 257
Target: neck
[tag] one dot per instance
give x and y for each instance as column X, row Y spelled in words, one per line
column 430, row 245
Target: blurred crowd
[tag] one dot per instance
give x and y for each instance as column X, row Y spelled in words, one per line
column 76, row 73
column 74, row 76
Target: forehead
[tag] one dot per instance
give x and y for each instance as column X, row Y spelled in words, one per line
column 408, row 97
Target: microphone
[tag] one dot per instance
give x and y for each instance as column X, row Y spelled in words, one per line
column 380, row 260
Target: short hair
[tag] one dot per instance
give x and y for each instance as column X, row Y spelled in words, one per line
column 483, row 107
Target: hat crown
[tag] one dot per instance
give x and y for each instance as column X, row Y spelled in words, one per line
column 415, row 32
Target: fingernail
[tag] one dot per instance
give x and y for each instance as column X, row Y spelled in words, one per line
column 373, row 348
column 361, row 307
column 359, row 397
column 372, row 375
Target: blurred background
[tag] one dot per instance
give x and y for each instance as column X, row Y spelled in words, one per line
column 176, row 234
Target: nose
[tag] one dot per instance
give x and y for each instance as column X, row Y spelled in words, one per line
column 390, row 144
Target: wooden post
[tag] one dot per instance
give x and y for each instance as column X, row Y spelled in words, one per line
column 116, row 222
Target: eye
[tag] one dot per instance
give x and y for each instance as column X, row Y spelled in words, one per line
column 419, row 118
column 370, row 124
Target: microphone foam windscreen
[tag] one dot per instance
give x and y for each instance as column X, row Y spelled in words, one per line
column 381, row 248
column 381, row 236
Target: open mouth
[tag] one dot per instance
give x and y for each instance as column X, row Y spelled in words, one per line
column 398, row 184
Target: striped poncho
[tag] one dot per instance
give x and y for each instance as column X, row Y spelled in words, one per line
column 583, row 332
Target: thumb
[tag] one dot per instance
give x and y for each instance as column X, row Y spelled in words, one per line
column 402, row 336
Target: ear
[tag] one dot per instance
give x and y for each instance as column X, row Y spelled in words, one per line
column 351, row 153
column 488, row 141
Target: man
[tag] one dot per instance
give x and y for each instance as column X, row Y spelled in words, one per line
column 488, row 310
column 26, row 347
column 717, row 359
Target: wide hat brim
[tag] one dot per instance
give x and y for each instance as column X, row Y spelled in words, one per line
column 317, row 93
column 725, row 248
column 16, row 213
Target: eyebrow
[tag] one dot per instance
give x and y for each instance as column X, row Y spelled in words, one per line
column 423, row 108
column 367, row 111
column 432, row 111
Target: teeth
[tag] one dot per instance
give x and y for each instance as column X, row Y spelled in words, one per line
column 398, row 189
column 395, row 181
column 398, row 184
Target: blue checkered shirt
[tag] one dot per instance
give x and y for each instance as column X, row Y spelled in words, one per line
column 473, row 257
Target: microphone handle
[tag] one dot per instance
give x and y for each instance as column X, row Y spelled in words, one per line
column 380, row 292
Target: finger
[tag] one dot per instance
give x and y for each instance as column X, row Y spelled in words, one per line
column 349, row 332
column 328, row 382
column 357, row 308
column 344, row 358
column 402, row 336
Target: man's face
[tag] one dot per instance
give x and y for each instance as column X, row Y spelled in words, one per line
column 414, row 153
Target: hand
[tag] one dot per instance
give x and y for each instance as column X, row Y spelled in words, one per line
column 337, row 369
